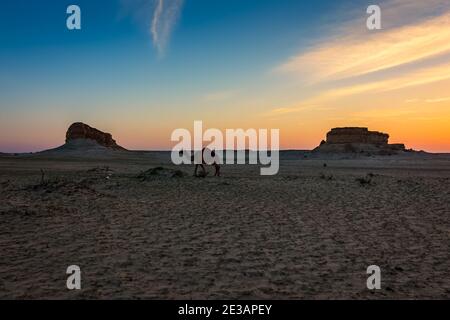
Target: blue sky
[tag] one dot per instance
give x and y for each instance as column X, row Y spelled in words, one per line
column 217, row 62
column 211, row 39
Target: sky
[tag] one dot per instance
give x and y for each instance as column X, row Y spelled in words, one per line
column 140, row 69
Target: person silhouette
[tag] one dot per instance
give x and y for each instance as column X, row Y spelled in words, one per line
column 202, row 166
column 214, row 163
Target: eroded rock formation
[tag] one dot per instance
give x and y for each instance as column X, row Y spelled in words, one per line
column 357, row 135
column 80, row 130
column 358, row 140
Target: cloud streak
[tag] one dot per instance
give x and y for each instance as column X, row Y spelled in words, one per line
column 165, row 16
column 411, row 51
column 410, row 79
column 374, row 52
column 438, row 100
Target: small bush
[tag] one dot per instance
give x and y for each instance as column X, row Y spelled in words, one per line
column 178, row 174
column 160, row 172
column 326, row 177
column 367, row 180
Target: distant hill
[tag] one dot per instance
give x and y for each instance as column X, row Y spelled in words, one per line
column 81, row 131
column 82, row 139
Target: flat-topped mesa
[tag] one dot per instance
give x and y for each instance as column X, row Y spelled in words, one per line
column 358, row 140
column 82, row 131
column 357, row 135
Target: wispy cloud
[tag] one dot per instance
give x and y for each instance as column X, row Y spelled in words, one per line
column 410, row 79
column 437, row 100
column 384, row 113
column 297, row 108
column 159, row 17
column 165, row 17
column 371, row 52
column 411, row 51
column 430, row 100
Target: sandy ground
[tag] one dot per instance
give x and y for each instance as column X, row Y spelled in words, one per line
column 308, row 233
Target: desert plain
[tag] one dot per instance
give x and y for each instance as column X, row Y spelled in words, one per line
column 142, row 228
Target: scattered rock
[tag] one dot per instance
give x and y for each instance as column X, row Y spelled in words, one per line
column 105, row 172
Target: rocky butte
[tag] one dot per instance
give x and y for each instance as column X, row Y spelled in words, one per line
column 82, row 140
column 358, row 140
column 82, row 131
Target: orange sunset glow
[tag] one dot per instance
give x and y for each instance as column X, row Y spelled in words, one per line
column 394, row 80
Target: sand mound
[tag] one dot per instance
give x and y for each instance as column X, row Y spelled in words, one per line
column 160, row 172
column 80, row 148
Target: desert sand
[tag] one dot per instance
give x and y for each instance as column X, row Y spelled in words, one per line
column 308, row 233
